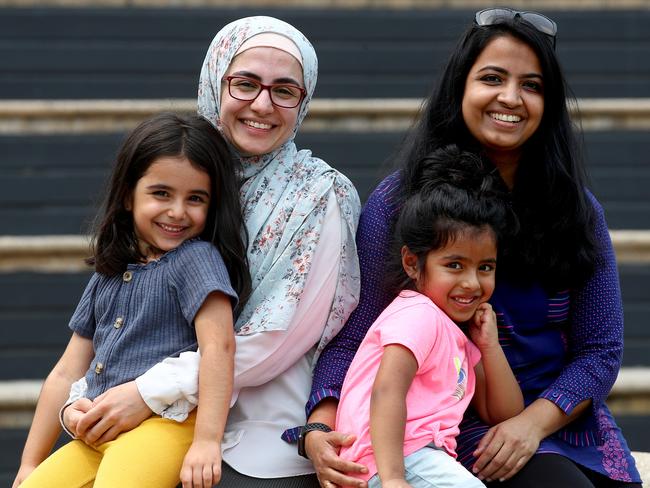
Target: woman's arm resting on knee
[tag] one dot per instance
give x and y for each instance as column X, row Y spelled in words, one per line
column 508, row 446
column 595, row 340
column 45, row 427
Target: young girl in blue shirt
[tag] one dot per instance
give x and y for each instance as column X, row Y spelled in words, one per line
column 170, row 264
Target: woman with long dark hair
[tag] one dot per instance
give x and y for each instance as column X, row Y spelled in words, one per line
column 502, row 95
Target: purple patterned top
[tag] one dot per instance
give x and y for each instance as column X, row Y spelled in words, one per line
column 565, row 348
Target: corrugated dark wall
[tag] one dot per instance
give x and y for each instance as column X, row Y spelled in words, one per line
column 150, row 53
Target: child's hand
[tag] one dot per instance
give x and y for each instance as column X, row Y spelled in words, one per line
column 202, row 465
column 74, row 412
column 395, row 483
column 483, row 327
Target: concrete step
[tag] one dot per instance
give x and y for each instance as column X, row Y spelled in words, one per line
column 643, row 464
column 357, row 115
column 66, row 253
column 629, row 396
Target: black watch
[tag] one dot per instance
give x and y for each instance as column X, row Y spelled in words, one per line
column 304, row 430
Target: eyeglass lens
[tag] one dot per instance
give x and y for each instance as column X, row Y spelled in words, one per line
column 246, row 89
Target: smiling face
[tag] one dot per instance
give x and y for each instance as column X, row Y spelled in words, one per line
column 258, row 127
column 170, row 204
column 503, row 102
column 458, row 277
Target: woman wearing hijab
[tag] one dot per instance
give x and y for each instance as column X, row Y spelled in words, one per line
column 257, row 79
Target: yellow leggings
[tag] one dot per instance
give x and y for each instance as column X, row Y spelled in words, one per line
column 149, row 456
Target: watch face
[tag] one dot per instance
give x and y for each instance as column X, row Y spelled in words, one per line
column 301, row 444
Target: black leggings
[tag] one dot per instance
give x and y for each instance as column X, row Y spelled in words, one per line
column 232, row 479
column 555, row 471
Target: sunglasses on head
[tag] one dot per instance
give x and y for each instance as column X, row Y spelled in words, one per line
column 542, row 23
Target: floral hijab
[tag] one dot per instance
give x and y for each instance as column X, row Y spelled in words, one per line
column 284, row 198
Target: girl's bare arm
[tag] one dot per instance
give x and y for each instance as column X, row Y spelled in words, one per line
column 498, row 396
column 46, row 428
column 388, row 411
column 214, row 330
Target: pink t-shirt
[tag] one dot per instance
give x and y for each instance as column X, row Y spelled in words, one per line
column 441, row 390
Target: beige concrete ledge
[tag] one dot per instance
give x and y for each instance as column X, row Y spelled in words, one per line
column 632, row 246
column 43, row 253
column 18, row 398
column 349, row 4
column 17, row 402
column 20, row 393
column 630, row 394
column 643, row 464
column 82, row 116
column 356, row 115
column 67, row 253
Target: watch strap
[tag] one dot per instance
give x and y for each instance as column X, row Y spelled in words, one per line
column 306, row 429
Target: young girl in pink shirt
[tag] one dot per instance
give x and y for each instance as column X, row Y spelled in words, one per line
column 434, row 350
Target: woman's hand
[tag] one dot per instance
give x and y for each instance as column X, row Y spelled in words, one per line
column 506, row 448
column 202, row 465
column 323, row 450
column 118, row 410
